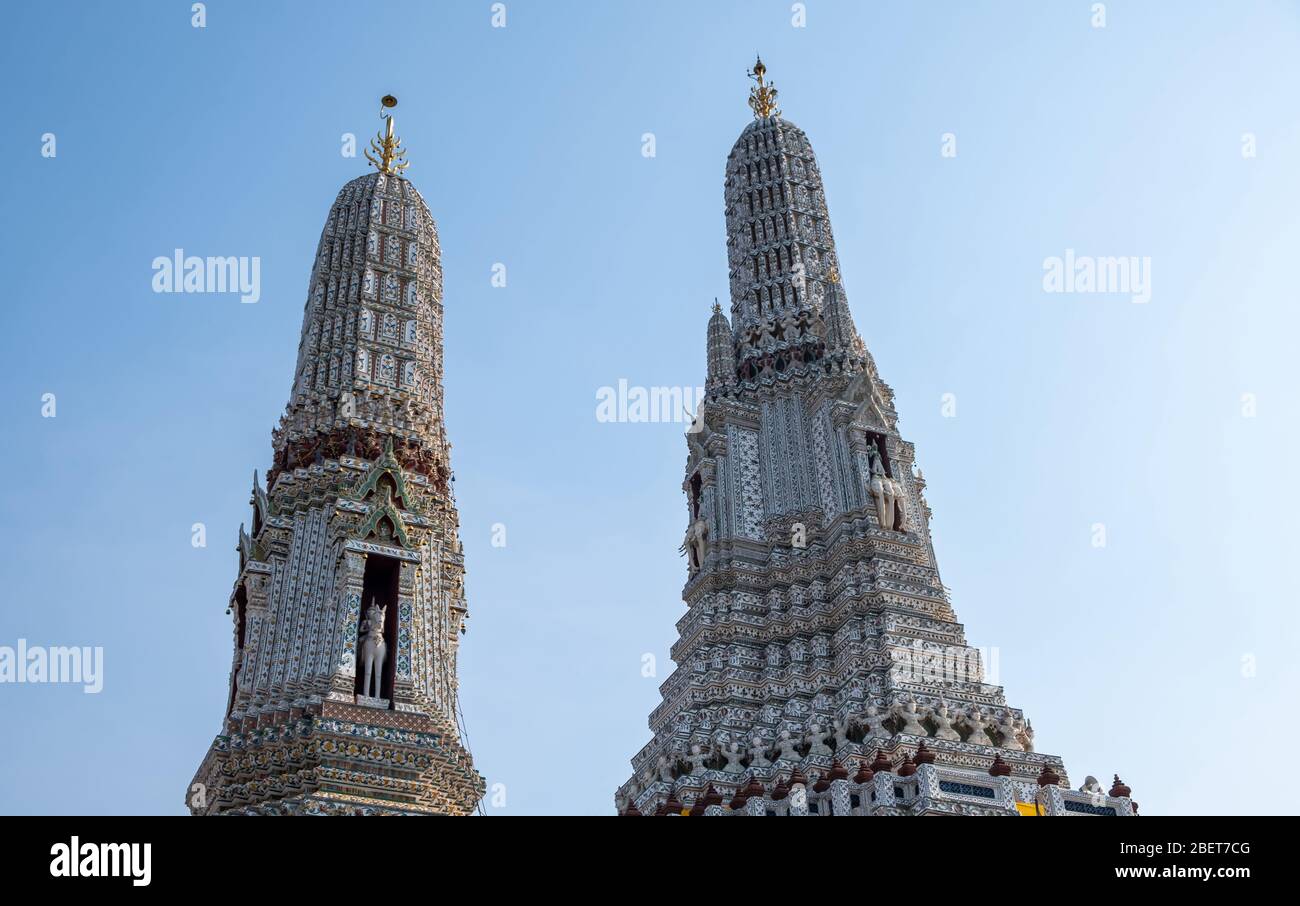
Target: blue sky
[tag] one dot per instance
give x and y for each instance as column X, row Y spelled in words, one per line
column 1167, row 656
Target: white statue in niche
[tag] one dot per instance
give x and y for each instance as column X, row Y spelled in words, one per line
column 373, row 648
column 881, row 489
column 695, row 546
column 900, row 506
column 891, row 498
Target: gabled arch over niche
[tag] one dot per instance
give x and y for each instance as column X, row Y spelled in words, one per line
column 387, row 464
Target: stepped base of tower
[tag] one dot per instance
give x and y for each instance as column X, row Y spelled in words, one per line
column 345, row 760
column 956, row 783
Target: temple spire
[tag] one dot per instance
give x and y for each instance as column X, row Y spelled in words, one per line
column 762, row 97
column 392, row 157
column 721, row 350
column 358, row 632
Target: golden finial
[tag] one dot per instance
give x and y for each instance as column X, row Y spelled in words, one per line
column 392, row 158
column 717, row 309
column 762, row 98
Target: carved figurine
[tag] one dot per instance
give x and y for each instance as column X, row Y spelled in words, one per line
column 875, row 723
column 975, row 722
column 943, row 723
column 732, row 753
column 906, row 711
column 816, row 740
column 374, row 650
column 696, row 759
column 899, row 513
column 695, row 545
column 882, row 488
column 842, row 728
column 786, row 750
column 758, row 753
column 1010, row 730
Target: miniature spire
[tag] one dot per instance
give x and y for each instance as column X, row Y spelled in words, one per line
column 721, row 349
column 392, row 157
column 762, row 97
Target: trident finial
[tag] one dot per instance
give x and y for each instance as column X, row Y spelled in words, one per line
column 392, row 158
column 762, row 98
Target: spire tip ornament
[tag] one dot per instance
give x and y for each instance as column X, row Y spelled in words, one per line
column 762, row 97
column 392, row 157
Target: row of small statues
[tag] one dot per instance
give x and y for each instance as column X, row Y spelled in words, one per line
column 788, row 326
column 904, row 717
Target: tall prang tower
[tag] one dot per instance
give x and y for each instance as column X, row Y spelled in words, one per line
column 821, row 669
column 350, row 601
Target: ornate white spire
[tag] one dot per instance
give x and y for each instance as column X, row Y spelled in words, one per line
column 780, row 247
column 819, row 642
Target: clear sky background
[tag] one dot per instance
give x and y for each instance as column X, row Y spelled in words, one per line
column 1168, row 656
